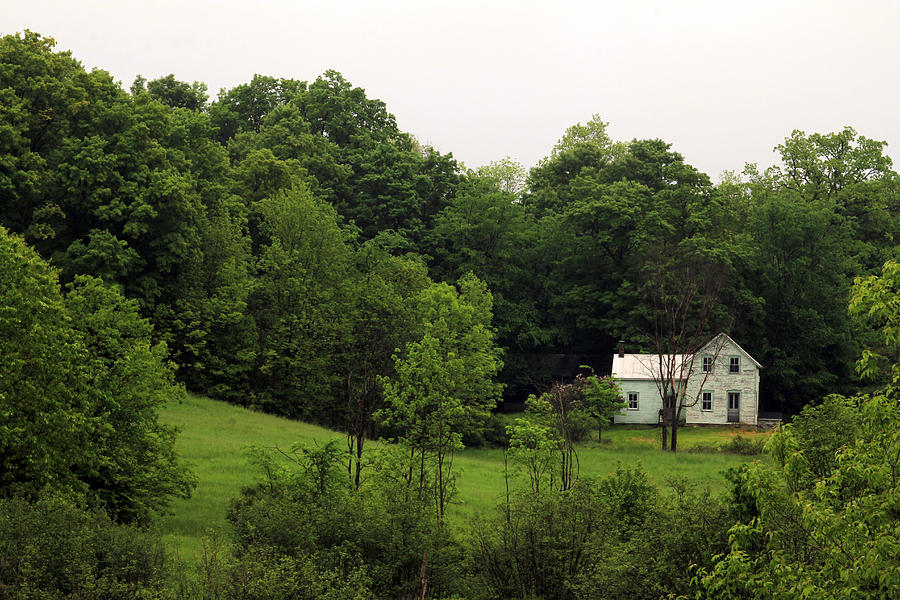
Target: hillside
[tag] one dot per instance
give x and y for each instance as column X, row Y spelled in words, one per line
column 215, row 437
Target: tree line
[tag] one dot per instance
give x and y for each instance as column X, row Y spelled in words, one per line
column 266, row 234
column 286, row 247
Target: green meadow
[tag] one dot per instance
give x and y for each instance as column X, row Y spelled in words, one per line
column 215, row 438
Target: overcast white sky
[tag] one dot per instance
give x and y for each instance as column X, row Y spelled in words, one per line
column 723, row 81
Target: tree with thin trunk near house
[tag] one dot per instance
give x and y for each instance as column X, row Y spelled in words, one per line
column 683, row 292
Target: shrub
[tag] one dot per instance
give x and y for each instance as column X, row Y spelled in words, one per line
column 309, row 521
column 744, row 446
column 53, row 549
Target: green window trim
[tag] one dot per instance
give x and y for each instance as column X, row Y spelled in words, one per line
column 703, row 398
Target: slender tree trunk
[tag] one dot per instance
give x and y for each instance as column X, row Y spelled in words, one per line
column 440, row 482
column 423, row 578
column 422, row 473
column 351, row 441
column 663, row 429
column 359, row 451
column 674, row 445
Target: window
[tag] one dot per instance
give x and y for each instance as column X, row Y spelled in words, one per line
column 706, row 401
column 632, row 400
column 707, row 364
column 734, row 400
column 734, row 364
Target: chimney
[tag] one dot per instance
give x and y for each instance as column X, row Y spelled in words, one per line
column 621, row 348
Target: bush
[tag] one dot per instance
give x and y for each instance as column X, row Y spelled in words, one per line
column 310, row 522
column 739, row 444
column 493, row 434
column 744, row 446
column 704, row 448
column 52, row 549
column 546, row 543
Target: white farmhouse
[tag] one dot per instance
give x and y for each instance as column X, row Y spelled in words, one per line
column 723, row 385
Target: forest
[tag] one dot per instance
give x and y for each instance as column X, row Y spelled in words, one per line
column 285, row 247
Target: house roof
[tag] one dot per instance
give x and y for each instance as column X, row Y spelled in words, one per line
column 738, row 346
column 641, row 366
column 646, row 366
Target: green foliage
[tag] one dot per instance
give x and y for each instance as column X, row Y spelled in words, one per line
column 826, row 524
column 799, row 246
column 653, row 554
column 213, row 335
column 383, row 319
column 81, row 389
column 132, row 469
column 602, row 400
column 45, row 414
column 444, row 383
column 508, row 174
column 299, row 306
column 174, row 93
column 244, row 107
column 307, row 539
column 533, row 450
column 554, row 422
column 613, row 538
column 874, row 301
column 51, row 549
column 538, row 543
column 484, row 231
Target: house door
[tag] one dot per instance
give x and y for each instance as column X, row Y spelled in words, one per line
column 734, row 407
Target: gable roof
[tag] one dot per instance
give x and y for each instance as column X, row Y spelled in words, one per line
column 736, row 345
column 646, row 366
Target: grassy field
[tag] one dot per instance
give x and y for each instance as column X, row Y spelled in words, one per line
column 215, row 438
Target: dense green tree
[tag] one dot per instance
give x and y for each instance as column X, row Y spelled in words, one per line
column 244, row 107
column 508, row 174
column 343, row 114
column 874, row 301
column 174, row 93
column 81, row 387
column 53, row 549
column 804, row 340
column 619, row 537
column 383, row 319
column 132, row 470
column 484, row 231
column 286, row 133
column 305, row 531
column 444, row 384
column 851, row 173
column 301, row 305
column 108, row 192
column 213, row 336
column 45, row 419
column 613, row 214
